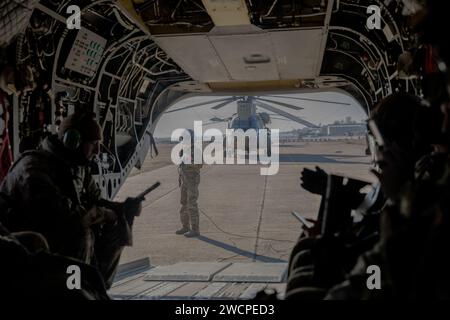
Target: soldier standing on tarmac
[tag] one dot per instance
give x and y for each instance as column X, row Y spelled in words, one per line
column 189, row 179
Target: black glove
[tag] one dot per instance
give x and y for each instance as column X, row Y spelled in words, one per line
column 132, row 207
column 314, row 181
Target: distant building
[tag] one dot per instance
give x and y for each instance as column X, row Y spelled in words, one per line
column 356, row 129
column 288, row 136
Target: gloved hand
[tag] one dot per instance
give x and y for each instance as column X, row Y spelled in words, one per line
column 314, row 230
column 314, row 181
column 98, row 215
column 132, row 207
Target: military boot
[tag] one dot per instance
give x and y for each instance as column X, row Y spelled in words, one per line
column 192, row 234
column 183, row 230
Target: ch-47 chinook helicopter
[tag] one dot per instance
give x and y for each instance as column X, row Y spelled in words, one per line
column 131, row 60
column 247, row 116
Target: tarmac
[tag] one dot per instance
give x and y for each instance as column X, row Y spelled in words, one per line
column 244, row 217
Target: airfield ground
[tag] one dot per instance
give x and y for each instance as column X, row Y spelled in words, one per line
column 245, row 217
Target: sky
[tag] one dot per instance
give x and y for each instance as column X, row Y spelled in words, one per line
column 315, row 112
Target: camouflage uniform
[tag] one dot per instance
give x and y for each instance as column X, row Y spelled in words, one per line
column 189, row 180
column 51, row 194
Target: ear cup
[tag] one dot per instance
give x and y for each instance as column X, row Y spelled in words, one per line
column 72, row 139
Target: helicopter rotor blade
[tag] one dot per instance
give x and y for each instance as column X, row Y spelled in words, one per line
column 287, row 105
column 313, row 100
column 201, row 104
column 223, row 104
column 282, row 119
column 277, row 115
column 285, row 114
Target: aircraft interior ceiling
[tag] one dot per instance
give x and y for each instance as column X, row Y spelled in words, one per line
column 132, row 59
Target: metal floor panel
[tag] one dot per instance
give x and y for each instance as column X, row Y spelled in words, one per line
column 139, row 287
column 186, row 271
column 253, row 272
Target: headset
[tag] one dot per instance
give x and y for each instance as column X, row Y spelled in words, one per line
column 72, row 138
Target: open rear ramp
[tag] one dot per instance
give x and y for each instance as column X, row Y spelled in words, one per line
column 139, row 280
